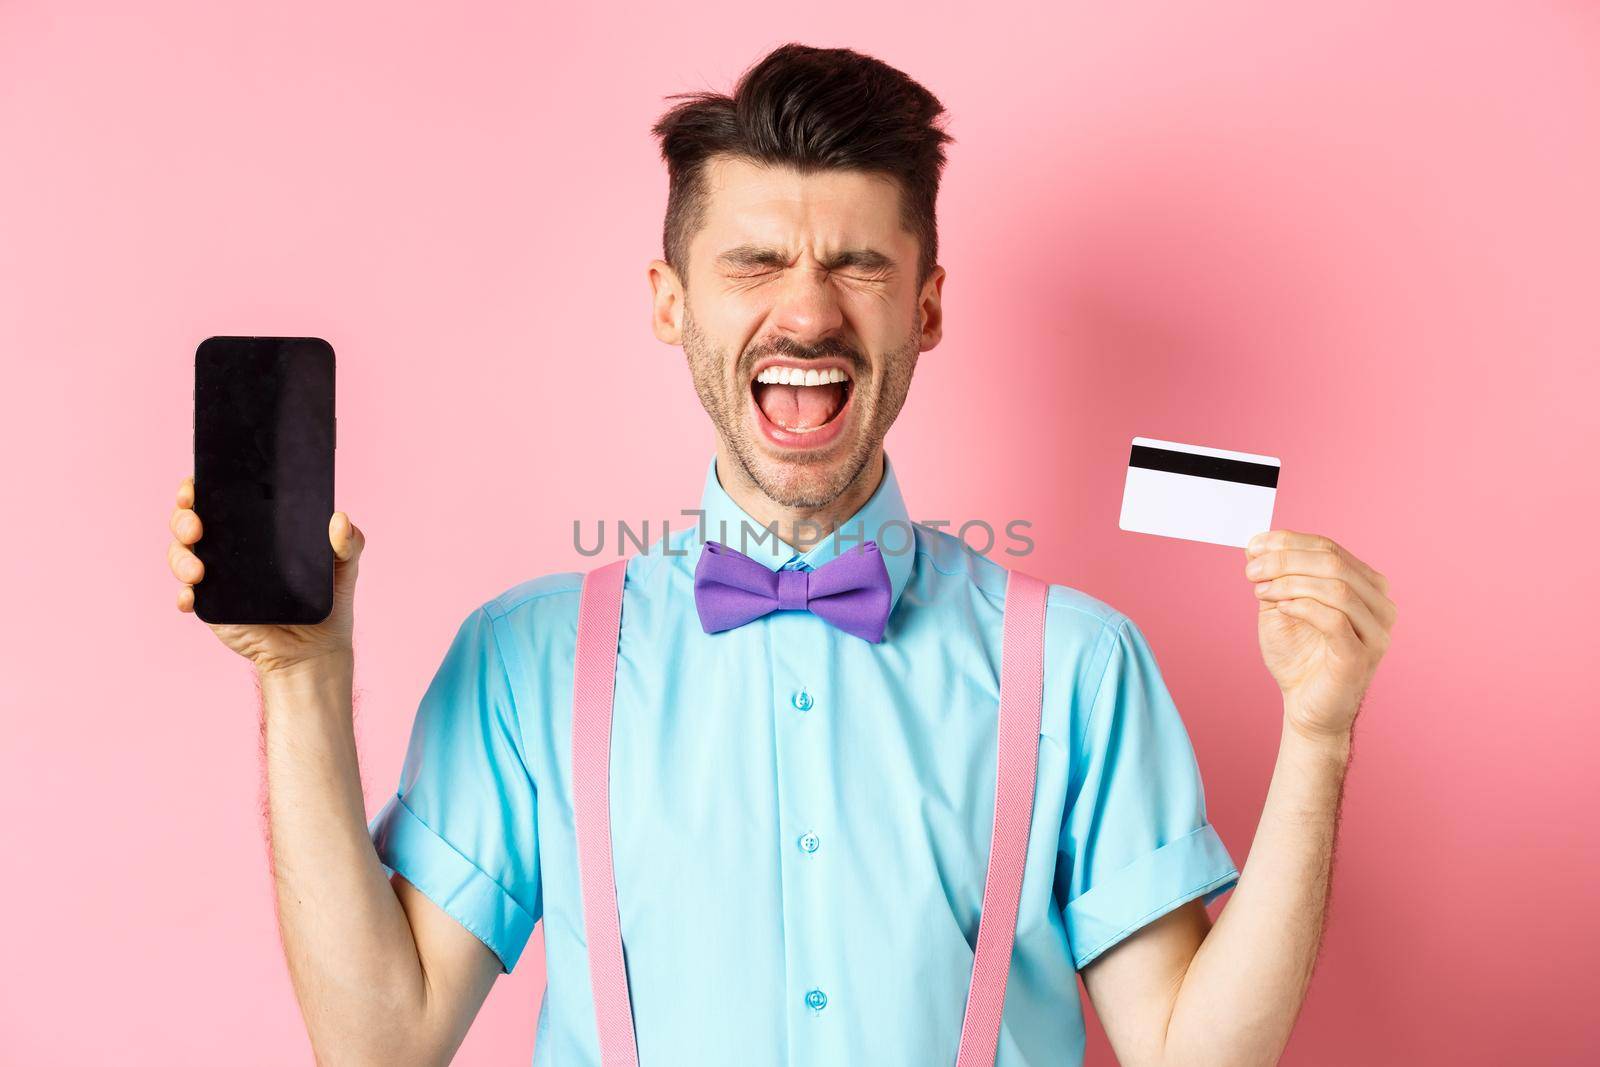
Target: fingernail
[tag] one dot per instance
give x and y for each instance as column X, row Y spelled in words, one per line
column 1255, row 543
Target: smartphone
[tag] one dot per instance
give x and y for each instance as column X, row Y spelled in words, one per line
column 264, row 438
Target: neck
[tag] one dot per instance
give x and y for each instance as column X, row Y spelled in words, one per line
column 799, row 527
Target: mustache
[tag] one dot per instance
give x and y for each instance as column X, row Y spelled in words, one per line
column 791, row 349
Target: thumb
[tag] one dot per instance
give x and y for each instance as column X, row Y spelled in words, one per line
column 346, row 538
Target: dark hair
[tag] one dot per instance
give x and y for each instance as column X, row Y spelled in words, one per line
column 811, row 109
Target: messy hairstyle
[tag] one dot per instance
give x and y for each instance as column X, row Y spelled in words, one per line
column 811, row 109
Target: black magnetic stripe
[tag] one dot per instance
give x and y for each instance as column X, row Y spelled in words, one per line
column 1226, row 470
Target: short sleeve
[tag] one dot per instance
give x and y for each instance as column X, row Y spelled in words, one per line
column 1135, row 843
column 461, row 827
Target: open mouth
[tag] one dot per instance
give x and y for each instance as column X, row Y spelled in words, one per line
column 801, row 405
column 801, row 400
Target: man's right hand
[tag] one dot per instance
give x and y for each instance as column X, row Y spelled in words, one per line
column 275, row 648
column 382, row 973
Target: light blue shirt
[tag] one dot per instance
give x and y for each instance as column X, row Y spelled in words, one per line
column 800, row 818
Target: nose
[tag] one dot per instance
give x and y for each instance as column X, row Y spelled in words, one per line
column 807, row 307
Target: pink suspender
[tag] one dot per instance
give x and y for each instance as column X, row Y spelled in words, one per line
column 593, row 680
column 1021, row 695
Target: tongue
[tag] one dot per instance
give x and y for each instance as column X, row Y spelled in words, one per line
column 801, row 407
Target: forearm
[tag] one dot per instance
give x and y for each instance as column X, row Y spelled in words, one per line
column 351, row 954
column 1243, row 990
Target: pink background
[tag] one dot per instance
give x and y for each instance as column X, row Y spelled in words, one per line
column 1363, row 237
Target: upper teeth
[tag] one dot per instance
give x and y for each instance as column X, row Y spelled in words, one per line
column 798, row 376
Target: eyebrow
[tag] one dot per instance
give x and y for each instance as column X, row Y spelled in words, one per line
column 867, row 259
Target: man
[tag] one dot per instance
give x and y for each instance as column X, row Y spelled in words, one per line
column 801, row 807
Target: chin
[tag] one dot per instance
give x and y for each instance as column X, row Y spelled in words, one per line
column 810, row 481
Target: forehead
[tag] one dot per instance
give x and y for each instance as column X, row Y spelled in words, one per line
column 778, row 205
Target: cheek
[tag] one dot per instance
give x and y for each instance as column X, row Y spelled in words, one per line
column 713, row 347
column 743, row 309
column 897, row 368
column 887, row 318
column 732, row 334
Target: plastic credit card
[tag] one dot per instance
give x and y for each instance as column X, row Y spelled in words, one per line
column 1198, row 493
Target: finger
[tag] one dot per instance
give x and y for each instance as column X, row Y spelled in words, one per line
column 346, row 538
column 1319, row 563
column 186, row 492
column 1267, row 540
column 1333, row 623
column 185, row 526
column 1333, row 592
column 186, row 598
column 1297, row 539
column 186, row 566
column 1270, row 540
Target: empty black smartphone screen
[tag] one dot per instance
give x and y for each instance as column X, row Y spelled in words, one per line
column 263, row 479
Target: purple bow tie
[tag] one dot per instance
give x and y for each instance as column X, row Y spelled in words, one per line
column 851, row 591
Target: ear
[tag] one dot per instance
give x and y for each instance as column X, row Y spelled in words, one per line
column 932, row 313
column 666, row 302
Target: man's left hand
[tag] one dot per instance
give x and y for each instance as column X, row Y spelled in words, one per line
column 1324, row 624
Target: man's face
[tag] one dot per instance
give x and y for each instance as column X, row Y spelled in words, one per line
column 802, row 322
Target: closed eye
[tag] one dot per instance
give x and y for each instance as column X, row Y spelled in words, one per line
column 754, row 262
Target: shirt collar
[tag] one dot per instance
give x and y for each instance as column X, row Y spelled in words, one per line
column 883, row 518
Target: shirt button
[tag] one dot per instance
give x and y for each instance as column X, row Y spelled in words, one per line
column 809, row 842
column 801, row 700
column 816, row 1000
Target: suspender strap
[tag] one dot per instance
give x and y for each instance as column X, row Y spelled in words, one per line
column 1017, row 762
column 1021, row 695
column 593, row 683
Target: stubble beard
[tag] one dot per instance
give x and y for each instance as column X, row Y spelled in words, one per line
column 799, row 483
